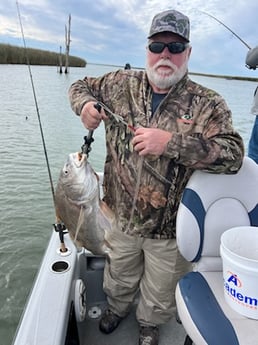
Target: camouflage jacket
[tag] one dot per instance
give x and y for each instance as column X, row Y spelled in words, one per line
column 202, row 138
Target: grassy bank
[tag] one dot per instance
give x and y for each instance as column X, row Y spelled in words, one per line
column 18, row 55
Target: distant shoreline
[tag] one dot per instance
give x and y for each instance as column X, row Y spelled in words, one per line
column 18, row 55
column 229, row 77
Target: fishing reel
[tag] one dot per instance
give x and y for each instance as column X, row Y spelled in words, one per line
column 88, row 140
column 61, row 229
column 251, row 60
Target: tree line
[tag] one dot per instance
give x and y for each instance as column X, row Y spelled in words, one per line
column 18, row 55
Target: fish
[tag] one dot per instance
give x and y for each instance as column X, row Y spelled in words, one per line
column 79, row 206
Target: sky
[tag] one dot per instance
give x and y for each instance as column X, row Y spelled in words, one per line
column 115, row 31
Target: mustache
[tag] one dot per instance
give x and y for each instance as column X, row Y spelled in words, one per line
column 165, row 63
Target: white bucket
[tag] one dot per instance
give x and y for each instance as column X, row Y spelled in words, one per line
column 239, row 252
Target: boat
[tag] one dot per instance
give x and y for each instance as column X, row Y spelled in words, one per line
column 67, row 301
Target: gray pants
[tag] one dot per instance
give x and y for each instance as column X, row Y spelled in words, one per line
column 149, row 266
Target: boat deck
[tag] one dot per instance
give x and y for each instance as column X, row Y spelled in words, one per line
column 127, row 333
column 69, row 289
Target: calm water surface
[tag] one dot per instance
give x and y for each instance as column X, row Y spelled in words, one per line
column 26, row 206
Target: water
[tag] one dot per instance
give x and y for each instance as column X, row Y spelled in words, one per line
column 26, row 205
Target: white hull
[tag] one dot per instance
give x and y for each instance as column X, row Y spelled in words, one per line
column 55, row 308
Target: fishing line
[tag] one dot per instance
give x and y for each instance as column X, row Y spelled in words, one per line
column 227, row 28
column 79, row 223
column 36, row 104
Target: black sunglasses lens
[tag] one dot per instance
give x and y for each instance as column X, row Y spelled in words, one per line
column 173, row 47
column 157, row 47
column 176, row 47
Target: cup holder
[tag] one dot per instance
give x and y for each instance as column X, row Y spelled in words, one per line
column 60, row 266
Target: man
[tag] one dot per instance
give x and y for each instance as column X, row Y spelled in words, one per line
column 252, row 63
column 170, row 127
column 253, row 142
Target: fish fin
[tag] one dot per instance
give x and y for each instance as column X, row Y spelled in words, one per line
column 106, row 216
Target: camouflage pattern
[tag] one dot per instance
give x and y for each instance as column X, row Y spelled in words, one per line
column 203, row 137
column 172, row 21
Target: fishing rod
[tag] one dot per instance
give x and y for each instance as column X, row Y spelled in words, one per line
column 36, row 103
column 59, row 226
column 251, row 61
column 247, row 45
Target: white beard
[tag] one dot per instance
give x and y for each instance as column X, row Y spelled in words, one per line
column 164, row 80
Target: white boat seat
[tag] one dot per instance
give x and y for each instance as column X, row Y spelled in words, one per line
column 212, row 204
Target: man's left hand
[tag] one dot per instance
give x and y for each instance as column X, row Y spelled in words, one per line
column 150, row 141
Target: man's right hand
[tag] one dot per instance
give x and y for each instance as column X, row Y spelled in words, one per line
column 91, row 117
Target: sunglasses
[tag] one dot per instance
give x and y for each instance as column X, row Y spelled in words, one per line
column 173, row 47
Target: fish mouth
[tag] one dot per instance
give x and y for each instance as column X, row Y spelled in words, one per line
column 79, row 159
column 80, row 156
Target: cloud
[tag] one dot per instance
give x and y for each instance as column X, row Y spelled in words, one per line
column 112, row 32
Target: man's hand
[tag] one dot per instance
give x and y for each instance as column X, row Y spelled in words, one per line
column 90, row 116
column 150, row 141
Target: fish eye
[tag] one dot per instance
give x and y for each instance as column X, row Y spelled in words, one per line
column 66, row 171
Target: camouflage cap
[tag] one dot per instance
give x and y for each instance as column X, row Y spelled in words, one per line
column 172, row 21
